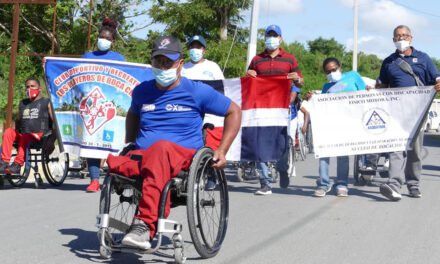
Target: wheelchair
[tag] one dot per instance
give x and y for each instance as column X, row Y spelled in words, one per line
column 45, row 153
column 207, row 209
column 247, row 170
column 300, row 149
column 362, row 176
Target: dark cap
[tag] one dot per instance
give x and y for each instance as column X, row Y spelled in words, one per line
column 167, row 46
column 197, row 38
column 274, row 28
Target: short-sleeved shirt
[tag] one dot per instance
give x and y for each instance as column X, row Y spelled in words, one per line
column 34, row 115
column 175, row 115
column 420, row 62
column 206, row 70
column 350, row 81
column 293, row 107
column 110, row 55
column 284, row 62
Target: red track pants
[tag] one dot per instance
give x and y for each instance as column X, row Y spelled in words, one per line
column 160, row 162
column 9, row 137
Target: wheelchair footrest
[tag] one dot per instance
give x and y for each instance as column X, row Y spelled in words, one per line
column 163, row 223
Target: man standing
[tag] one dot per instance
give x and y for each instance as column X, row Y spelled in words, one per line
column 273, row 60
column 200, row 68
column 406, row 165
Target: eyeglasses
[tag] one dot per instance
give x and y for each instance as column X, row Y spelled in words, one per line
column 403, row 36
column 162, row 62
column 271, row 34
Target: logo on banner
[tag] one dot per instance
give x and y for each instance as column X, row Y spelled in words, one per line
column 96, row 111
column 375, row 121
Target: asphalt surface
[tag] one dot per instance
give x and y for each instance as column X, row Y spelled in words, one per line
column 56, row 225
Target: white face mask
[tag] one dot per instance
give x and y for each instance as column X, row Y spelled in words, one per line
column 165, row 77
column 104, row 44
column 334, row 76
column 272, row 43
column 196, row 54
column 402, row 45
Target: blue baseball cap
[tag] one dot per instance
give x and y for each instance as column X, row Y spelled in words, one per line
column 197, row 38
column 274, row 28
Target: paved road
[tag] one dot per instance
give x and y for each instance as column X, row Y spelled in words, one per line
column 56, row 225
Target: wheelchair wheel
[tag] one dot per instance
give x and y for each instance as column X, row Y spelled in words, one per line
column 119, row 199
column 55, row 164
column 207, row 209
column 302, row 145
column 19, row 180
column 359, row 179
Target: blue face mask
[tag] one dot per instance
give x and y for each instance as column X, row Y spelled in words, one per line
column 196, row 54
column 165, row 77
column 272, row 43
column 104, row 44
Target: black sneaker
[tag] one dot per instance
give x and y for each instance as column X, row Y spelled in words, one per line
column 284, row 179
column 414, row 192
column 390, row 192
column 138, row 235
column 13, row 169
column 3, row 166
column 264, row 190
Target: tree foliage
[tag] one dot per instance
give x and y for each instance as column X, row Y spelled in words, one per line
column 219, row 21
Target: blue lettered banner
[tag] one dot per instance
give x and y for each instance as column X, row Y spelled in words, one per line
column 91, row 99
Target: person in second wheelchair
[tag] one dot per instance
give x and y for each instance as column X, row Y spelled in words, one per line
column 165, row 120
column 338, row 82
column 33, row 120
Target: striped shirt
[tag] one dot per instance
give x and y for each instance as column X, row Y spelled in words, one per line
column 283, row 63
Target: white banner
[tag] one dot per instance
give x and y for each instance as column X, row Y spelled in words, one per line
column 375, row 121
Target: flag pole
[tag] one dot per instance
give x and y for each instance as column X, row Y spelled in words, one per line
column 252, row 46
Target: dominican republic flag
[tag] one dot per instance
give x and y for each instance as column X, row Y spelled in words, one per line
column 264, row 102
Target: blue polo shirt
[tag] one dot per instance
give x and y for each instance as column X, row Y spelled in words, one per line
column 350, row 81
column 175, row 115
column 421, row 63
column 110, row 55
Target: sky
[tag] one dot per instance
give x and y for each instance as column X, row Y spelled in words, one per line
column 304, row 20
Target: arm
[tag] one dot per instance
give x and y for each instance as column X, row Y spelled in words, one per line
column 437, row 85
column 306, row 119
column 293, row 97
column 132, row 123
column 231, row 126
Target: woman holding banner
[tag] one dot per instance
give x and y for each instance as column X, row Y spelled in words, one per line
column 338, row 82
column 106, row 38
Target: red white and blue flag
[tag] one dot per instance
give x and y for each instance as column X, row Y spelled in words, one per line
column 264, row 102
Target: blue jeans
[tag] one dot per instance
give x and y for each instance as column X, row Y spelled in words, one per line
column 263, row 170
column 93, row 165
column 342, row 172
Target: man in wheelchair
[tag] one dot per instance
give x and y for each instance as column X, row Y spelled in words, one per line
column 33, row 120
column 165, row 120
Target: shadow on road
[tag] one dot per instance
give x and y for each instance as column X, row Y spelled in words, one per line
column 85, row 245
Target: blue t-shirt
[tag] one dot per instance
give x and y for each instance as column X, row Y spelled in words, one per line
column 175, row 115
column 421, row 63
column 294, row 110
column 350, row 81
column 110, row 55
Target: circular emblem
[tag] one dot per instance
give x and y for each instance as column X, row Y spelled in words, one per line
column 375, row 120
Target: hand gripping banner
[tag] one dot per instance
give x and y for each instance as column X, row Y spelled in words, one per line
column 91, row 99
